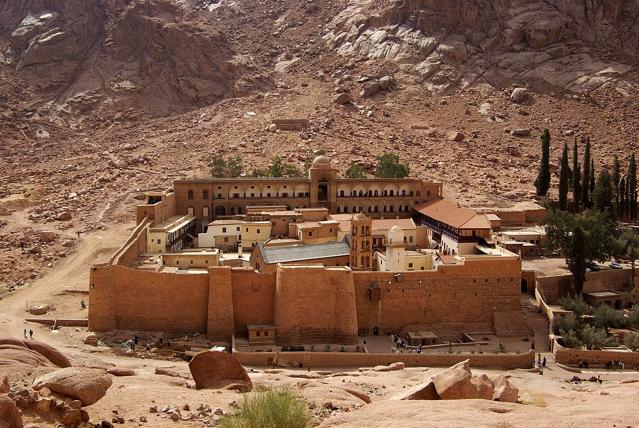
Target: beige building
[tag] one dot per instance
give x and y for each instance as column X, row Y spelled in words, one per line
column 455, row 230
column 397, row 259
column 173, row 234
column 266, row 259
column 229, row 234
column 316, row 232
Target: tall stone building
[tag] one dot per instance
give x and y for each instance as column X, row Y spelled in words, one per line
column 361, row 243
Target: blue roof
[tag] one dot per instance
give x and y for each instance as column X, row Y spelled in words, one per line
column 272, row 255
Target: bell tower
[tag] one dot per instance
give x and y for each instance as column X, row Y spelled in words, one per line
column 323, row 184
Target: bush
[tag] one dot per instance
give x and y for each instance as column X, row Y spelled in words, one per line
column 571, row 339
column 269, row 409
column 606, row 317
column 566, row 322
column 633, row 318
column 632, row 341
column 594, row 338
column 575, row 304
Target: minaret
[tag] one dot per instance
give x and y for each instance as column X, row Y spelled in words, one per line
column 395, row 249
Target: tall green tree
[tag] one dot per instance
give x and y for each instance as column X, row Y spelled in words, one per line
column 628, row 244
column 564, row 180
column 616, row 177
column 542, row 183
column 593, row 182
column 632, row 187
column 576, row 177
column 589, row 235
column 217, row 165
column 234, row 167
column 604, row 194
column 355, row 170
column 389, row 166
column 621, row 190
column 585, row 180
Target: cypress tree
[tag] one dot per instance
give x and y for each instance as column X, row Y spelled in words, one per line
column 542, row 183
column 576, row 259
column 623, row 203
column 632, row 187
column 603, row 195
column 576, row 177
column 627, row 199
column 564, row 179
column 593, row 184
column 585, row 197
column 616, row 176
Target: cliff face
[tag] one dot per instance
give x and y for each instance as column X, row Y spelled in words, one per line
column 572, row 45
column 152, row 54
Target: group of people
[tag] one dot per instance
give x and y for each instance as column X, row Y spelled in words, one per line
column 30, row 333
column 399, row 346
column 615, row 365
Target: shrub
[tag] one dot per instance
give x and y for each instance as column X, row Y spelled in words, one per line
column 575, row 304
column 632, row 341
column 566, row 322
column 606, row 317
column 269, row 409
column 571, row 339
column 594, row 338
column 633, row 318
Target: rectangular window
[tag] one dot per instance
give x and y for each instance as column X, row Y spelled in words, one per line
column 266, row 333
column 159, row 241
column 224, row 230
column 257, row 333
column 410, row 265
column 258, row 230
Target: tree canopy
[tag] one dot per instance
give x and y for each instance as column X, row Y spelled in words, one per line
column 389, row 166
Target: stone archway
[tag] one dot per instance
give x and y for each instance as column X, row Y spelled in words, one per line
column 524, row 286
column 220, row 210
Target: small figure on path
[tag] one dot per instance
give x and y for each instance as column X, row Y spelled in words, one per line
column 82, row 304
column 25, row 333
column 31, row 333
column 543, row 362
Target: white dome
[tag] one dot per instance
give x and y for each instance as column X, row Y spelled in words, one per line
column 321, row 162
column 396, row 236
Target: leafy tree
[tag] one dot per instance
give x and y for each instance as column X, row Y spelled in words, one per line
column 571, row 338
column 217, row 164
column 292, row 171
column 389, row 166
column 276, row 167
column 234, row 167
column 606, row 317
column 580, row 237
column 259, row 172
column 594, row 338
column 632, row 187
column 575, row 304
column 632, row 341
column 576, row 177
column 542, row 183
column 564, row 180
column 633, row 317
column 355, row 170
column 604, row 195
column 628, row 246
column 565, row 323
column 585, row 180
column 616, row 178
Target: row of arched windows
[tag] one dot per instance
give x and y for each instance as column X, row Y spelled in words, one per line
column 372, row 193
column 372, row 209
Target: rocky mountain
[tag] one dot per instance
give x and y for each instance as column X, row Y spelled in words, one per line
column 568, row 45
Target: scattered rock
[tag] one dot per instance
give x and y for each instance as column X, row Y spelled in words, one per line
column 484, row 386
column 40, row 309
column 342, row 99
column 87, row 385
column 370, row 89
column 63, row 216
column 364, row 397
column 10, row 416
column 504, row 390
column 519, row 95
column 391, row 367
column 455, row 136
column 214, row 370
column 521, row 132
column 116, row 371
column 385, row 83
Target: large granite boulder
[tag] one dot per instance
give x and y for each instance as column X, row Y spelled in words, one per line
column 423, row 391
column 455, row 383
column 87, row 385
column 47, row 351
column 214, row 370
column 504, row 390
column 9, row 414
column 484, row 386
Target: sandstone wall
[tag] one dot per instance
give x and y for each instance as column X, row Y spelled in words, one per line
column 135, row 244
column 464, row 295
column 315, row 305
column 101, row 310
column 595, row 358
column 358, row 359
column 253, row 299
column 556, row 287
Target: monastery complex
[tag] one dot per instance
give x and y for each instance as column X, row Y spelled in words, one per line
column 266, row 263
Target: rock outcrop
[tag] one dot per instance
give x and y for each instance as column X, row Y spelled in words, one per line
column 10, row 416
column 87, row 385
column 214, row 370
column 455, row 43
column 504, row 390
column 47, row 351
column 455, row 383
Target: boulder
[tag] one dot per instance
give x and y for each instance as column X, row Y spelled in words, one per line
column 214, row 370
column 342, row 99
column 116, row 371
column 13, row 356
column 385, row 83
column 9, row 414
column 504, row 390
column 370, row 89
column 87, row 385
column 364, row 397
column 519, row 95
column 423, row 391
column 455, row 383
column 39, row 309
column 484, row 386
column 4, row 385
column 523, row 132
column 47, row 351
column 455, row 136
column 63, row 216
column 390, row 368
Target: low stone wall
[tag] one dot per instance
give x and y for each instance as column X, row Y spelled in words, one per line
column 595, row 358
column 358, row 359
column 556, row 287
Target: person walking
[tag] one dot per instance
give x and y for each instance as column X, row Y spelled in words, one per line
column 30, row 333
column 25, row 333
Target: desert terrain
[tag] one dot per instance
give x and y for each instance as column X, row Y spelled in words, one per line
column 103, row 100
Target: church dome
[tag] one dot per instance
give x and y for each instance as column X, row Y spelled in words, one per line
column 321, row 162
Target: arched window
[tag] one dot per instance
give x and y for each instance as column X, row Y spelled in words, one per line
column 370, row 208
column 391, row 208
column 232, row 210
column 403, row 192
column 427, row 193
column 375, row 193
column 341, row 193
column 406, row 208
column 418, row 193
column 376, row 209
column 368, row 261
column 361, row 193
column 205, row 195
column 363, row 260
column 345, row 209
column 392, row 192
column 190, row 194
column 370, row 192
column 339, row 209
